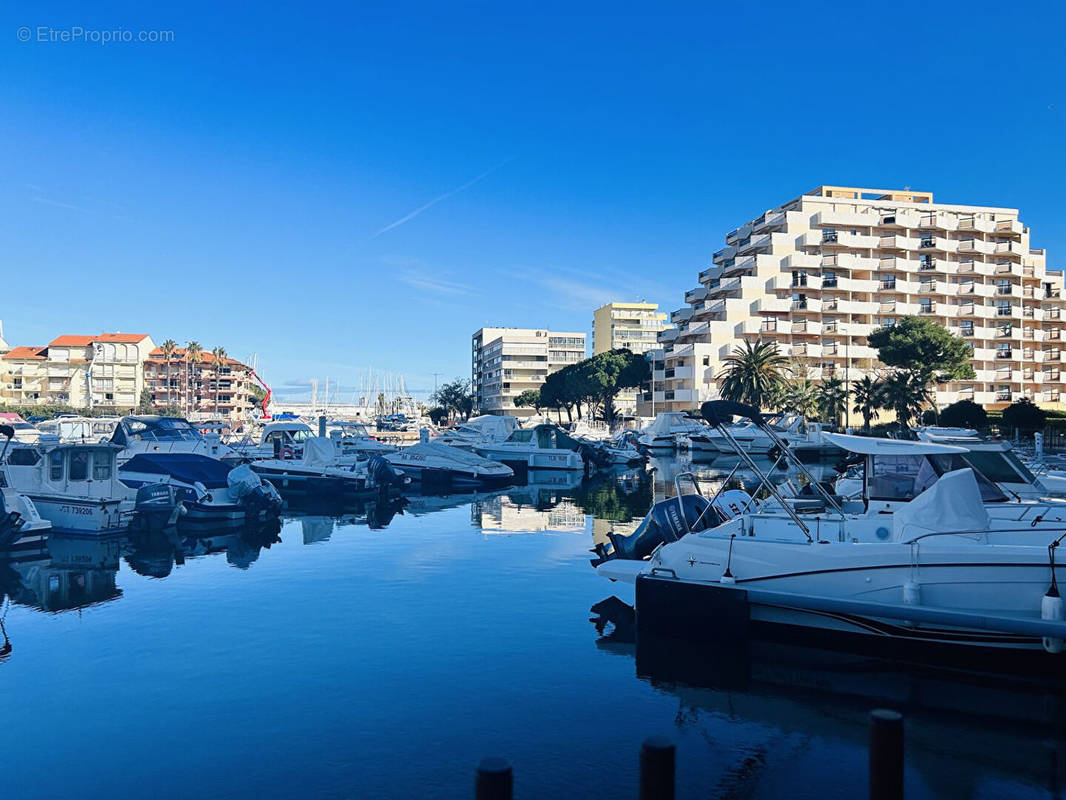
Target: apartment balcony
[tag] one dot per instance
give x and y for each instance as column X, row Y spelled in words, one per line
column 806, row 327
column 725, row 254
column 1004, row 354
column 1008, row 227
column 711, row 273
column 973, row 223
column 803, row 261
column 925, row 287
column 681, row 315
column 895, row 262
column 928, row 308
column 696, row 295
column 668, row 335
column 774, row 304
column 975, row 246
column 889, row 286
column 737, row 234
column 1008, row 248
column 770, row 220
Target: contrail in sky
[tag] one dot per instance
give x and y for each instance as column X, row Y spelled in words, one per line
column 445, row 196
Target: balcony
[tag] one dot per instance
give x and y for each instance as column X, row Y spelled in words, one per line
column 888, row 285
column 799, row 305
column 926, row 264
column 927, row 286
column 1003, row 354
column 927, row 242
column 830, row 237
column 829, row 283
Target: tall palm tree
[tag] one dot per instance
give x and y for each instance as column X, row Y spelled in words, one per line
column 869, row 397
column 194, row 353
column 832, row 398
column 801, row 397
column 751, row 373
column 219, row 354
column 905, row 393
column 169, row 347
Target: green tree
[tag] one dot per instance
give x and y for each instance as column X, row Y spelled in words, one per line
column 530, row 398
column 832, row 399
column 146, row 403
column 923, row 348
column 1024, row 415
column 169, row 347
column 964, row 414
column 194, row 353
column 904, row 393
column 604, row 375
column 437, row 415
column 752, row 373
column 218, row 355
column 868, row 394
column 455, row 397
column 801, row 397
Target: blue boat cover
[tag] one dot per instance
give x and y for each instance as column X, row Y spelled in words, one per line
column 183, row 467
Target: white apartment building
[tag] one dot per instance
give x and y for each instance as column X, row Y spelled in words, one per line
column 633, row 326
column 819, row 273
column 104, row 371
column 507, row 361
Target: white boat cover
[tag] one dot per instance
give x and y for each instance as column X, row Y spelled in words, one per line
column 672, row 421
column 443, row 456
column 319, row 452
column 493, row 427
column 953, row 503
column 242, row 480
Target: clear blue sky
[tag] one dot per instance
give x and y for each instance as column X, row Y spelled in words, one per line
column 267, row 181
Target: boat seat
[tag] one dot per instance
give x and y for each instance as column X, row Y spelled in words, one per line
column 806, row 503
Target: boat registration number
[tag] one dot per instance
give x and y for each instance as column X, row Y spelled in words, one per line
column 79, row 511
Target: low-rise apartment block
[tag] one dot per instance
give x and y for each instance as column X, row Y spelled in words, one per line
column 633, row 326
column 202, row 387
column 819, row 273
column 103, row 371
column 507, row 361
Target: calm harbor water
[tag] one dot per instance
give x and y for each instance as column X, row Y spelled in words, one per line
column 382, row 654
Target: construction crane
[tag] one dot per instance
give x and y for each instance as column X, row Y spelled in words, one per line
column 266, row 397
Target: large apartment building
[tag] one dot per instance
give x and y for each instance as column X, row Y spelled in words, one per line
column 103, row 371
column 819, row 273
column 507, row 361
column 633, row 326
column 200, row 388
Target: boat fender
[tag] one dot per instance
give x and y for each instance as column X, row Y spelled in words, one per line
column 1051, row 607
column 912, row 593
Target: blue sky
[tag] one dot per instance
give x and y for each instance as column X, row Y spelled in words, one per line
column 335, row 186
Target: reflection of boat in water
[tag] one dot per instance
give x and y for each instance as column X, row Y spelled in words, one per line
column 962, row 729
column 69, row 573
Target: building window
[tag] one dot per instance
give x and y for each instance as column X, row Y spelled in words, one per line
column 1003, row 308
column 967, row 327
column 925, row 305
column 1003, row 286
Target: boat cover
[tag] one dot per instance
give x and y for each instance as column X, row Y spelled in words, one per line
column 442, row 456
column 670, row 421
column 494, row 427
column 319, row 452
column 184, row 467
column 953, row 503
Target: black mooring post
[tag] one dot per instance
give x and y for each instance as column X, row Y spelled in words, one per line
column 495, row 779
column 657, row 769
column 886, row 755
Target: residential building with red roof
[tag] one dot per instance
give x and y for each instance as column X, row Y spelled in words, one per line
column 200, row 386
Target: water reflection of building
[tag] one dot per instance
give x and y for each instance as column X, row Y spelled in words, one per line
column 72, row 573
column 505, row 514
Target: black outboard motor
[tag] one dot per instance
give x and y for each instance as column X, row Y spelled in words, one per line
column 662, row 526
column 380, row 472
column 155, row 505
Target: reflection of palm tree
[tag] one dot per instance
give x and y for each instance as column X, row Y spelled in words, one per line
column 869, row 396
column 219, row 354
column 751, row 373
column 193, row 355
column 169, row 347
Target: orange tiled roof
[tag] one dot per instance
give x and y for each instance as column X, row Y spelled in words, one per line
column 179, row 354
column 27, row 352
column 72, row 340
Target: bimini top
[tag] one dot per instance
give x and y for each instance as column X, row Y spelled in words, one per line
column 869, row 446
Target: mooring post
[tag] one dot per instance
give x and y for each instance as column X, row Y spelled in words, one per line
column 886, row 755
column 657, row 756
column 322, row 425
column 495, row 779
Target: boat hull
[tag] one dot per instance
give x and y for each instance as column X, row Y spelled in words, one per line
column 83, row 515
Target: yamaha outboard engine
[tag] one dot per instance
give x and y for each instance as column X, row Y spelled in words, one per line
column 662, row 526
column 156, row 505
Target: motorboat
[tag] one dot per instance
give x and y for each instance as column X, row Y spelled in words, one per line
column 319, row 473
column 542, row 447
column 483, row 430
column 669, row 431
column 920, row 561
column 157, row 435
column 24, row 431
column 211, row 492
column 70, row 428
column 435, row 464
column 353, row 439
column 620, row 450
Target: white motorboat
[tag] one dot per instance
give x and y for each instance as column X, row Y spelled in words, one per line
column 920, row 560
column 484, row 430
column 621, row 449
column 76, row 487
column 167, row 435
column 70, row 428
column 319, row 473
column 353, row 439
column 539, row 448
column 23, row 431
column 444, row 466
column 669, row 431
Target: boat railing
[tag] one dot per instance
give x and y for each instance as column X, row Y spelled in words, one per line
column 985, row 531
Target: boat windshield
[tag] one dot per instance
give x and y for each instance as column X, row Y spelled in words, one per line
column 166, row 429
column 1001, row 466
column 904, row 477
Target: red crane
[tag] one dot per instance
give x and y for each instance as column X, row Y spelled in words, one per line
column 266, row 397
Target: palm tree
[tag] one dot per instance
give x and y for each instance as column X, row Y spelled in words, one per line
column 219, row 354
column 775, row 399
column 194, row 353
column 904, row 393
column 869, row 397
column 169, row 347
column 801, row 397
column 832, row 399
column 751, row 373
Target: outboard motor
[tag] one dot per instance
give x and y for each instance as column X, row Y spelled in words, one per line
column 10, row 525
column 662, row 526
column 157, row 505
column 380, row 472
